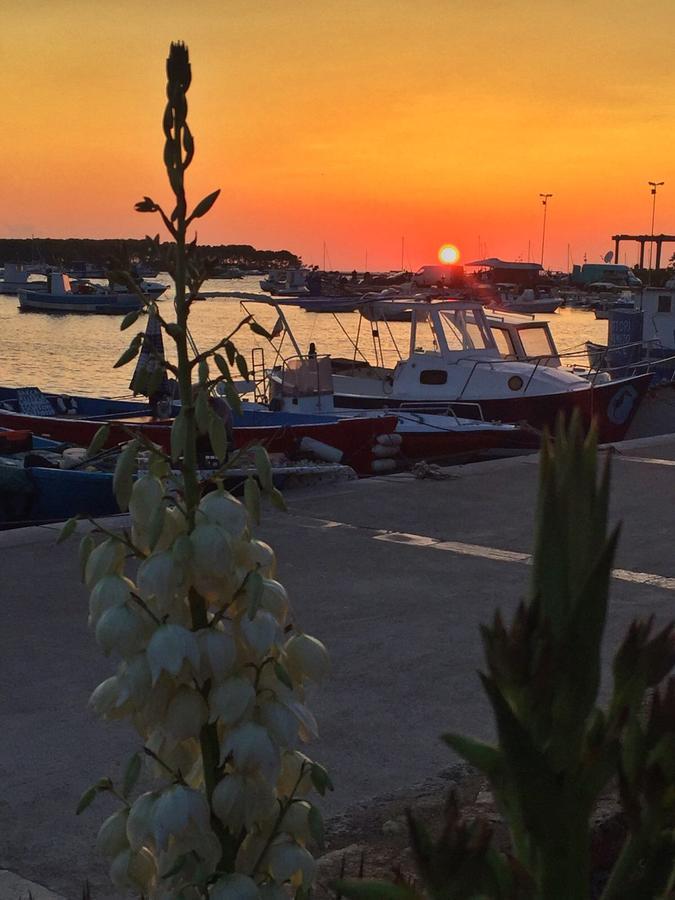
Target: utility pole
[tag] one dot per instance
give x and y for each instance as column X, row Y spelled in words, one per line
column 544, row 200
column 653, row 185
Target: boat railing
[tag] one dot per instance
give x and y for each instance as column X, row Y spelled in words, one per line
column 643, row 367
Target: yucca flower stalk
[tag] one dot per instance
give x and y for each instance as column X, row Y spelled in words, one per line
column 557, row 749
column 211, row 671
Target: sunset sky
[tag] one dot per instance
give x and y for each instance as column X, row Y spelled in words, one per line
column 353, row 123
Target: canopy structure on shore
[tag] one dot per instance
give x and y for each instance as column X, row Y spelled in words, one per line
column 494, row 262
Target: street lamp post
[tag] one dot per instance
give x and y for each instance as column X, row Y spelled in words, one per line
column 653, row 185
column 544, row 201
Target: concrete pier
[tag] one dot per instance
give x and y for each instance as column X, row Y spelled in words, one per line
column 394, row 574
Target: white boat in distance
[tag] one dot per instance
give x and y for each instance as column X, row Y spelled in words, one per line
column 64, row 296
column 15, row 278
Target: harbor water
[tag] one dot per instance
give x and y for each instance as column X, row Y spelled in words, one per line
column 76, row 353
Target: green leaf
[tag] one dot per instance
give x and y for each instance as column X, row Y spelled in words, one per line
column 86, row 800
column 252, row 499
column 131, row 773
column 87, row 544
column 218, row 437
column 222, row 364
column 277, row 500
column 232, row 397
column 131, row 352
column 230, row 352
column 99, row 440
column 123, row 479
column 129, row 319
column 203, row 370
column 67, row 529
column 203, row 411
column 174, row 330
column 254, row 591
column 204, row 205
column 481, row 756
column 103, row 784
column 178, row 436
column 242, row 365
column 315, row 822
column 256, row 328
column 282, row 675
column 320, row 779
column 264, row 468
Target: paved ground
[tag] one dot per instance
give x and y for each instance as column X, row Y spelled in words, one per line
column 394, row 574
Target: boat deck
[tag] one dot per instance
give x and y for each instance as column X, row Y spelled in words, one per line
column 407, row 568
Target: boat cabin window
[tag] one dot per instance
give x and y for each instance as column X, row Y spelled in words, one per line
column 504, row 342
column 433, row 376
column 536, row 342
column 665, row 303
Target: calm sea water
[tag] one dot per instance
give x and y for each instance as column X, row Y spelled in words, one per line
column 75, row 353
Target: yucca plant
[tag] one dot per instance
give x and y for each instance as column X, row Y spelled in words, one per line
column 557, row 750
column 212, row 672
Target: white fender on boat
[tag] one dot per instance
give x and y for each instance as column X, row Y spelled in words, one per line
column 381, row 451
column 389, row 440
column 323, row 451
column 383, row 465
column 72, row 456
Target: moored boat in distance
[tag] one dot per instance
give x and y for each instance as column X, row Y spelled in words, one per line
column 15, row 277
column 65, row 296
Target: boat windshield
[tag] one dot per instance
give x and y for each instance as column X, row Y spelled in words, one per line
column 536, row 341
column 465, row 330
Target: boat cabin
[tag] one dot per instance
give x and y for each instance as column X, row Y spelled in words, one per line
column 524, row 339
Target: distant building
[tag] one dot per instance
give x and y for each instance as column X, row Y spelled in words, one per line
column 592, row 273
column 503, row 272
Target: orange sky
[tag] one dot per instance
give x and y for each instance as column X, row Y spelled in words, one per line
column 353, row 122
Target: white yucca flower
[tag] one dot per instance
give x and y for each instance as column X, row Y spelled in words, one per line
column 104, row 698
column 112, row 835
column 221, row 508
column 146, row 495
column 272, row 891
column 281, row 723
column 252, row 750
column 109, row 591
column 288, row 861
column 177, row 811
column 231, row 700
column 240, row 801
column 174, row 524
column 133, row 871
column 293, row 765
column 170, row 647
column 186, row 714
column 275, row 599
column 260, row 632
column 296, row 821
column 177, row 755
column 158, row 579
column 121, row 629
column 106, row 559
column 212, row 560
column 217, row 653
column 234, row 887
column 135, row 681
column 306, row 657
column 140, row 819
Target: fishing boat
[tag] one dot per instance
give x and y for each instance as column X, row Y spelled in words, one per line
column 76, row 419
column 65, row 296
column 451, row 365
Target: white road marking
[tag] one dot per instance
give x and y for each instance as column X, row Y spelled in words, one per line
column 646, row 459
column 479, row 550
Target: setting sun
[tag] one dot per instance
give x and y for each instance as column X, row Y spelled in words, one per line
column 448, row 254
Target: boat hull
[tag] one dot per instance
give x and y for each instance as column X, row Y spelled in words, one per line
column 102, row 304
column 612, row 405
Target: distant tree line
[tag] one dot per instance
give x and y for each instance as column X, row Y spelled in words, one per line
column 64, row 251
